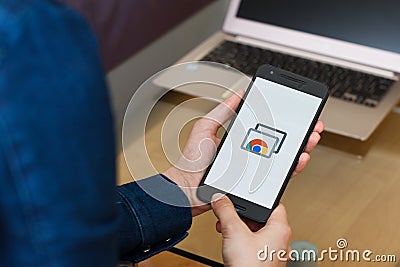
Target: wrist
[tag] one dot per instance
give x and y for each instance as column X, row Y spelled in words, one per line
column 176, row 176
column 188, row 184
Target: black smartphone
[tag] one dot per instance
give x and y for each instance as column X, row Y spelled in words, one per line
column 263, row 142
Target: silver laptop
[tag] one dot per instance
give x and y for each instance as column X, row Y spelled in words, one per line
column 353, row 46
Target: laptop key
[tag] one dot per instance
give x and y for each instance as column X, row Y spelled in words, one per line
column 349, row 85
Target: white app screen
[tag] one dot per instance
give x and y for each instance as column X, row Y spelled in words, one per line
column 263, row 141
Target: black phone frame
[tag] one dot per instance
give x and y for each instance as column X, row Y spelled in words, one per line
column 244, row 207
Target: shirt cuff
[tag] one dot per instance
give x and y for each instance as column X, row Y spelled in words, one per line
column 155, row 216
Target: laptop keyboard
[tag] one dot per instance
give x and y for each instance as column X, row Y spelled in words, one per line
column 349, row 85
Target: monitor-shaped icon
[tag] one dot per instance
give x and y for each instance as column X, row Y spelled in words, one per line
column 263, row 140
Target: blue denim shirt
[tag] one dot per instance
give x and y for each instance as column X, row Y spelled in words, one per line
column 58, row 203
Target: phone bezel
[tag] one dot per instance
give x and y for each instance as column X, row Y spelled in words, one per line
column 245, row 207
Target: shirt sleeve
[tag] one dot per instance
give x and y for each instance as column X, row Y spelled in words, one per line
column 155, row 216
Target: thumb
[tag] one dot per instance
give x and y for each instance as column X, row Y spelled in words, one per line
column 278, row 223
column 278, row 216
column 224, row 111
column 226, row 214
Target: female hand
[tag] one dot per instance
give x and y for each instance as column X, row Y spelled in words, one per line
column 201, row 146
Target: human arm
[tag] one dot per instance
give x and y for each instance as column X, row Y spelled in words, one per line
column 58, row 183
column 57, row 151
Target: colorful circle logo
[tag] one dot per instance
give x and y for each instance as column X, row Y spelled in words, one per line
column 257, row 146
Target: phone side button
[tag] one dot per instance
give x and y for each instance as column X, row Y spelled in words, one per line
column 239, row 208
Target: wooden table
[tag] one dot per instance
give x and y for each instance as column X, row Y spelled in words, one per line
column 339, row 195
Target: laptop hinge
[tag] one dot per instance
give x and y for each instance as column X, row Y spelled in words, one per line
column 318, row 57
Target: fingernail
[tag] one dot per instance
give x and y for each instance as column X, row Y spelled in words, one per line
column 217, row 196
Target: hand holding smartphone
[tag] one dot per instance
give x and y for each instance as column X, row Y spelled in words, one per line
column 264, row 141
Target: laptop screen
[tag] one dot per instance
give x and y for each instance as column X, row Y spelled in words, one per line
column 366, row 22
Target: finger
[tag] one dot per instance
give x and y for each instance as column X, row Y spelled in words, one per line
column 303, row 160
column 319, row 127
column 278, row 221
column 218, row 226
column 278, row 216
column 253, row 226
column 312, row 142
column 221, row 113
column 226, row 214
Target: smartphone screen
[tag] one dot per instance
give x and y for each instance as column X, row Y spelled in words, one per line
column 263, row 141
